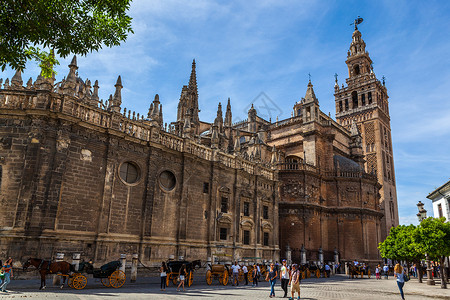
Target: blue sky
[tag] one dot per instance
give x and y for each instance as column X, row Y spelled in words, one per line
column 243, row 48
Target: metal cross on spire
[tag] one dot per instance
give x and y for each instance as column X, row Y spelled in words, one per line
column 335, row 76
column 309, row 75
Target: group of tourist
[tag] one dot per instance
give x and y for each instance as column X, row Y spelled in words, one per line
column 181, row 277
column 6, row 273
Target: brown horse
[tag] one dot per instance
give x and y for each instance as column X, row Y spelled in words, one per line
column 45, row 267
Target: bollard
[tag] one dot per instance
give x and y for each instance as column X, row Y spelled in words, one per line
column 134, row 267
column 76, row 261
column 123, row 261
column 56, row 278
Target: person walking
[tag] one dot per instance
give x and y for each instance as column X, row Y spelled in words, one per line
column 163, row 273
column 294, row 282
column 327, row 270
column 272, row 277
column 235, row 268
column 377, row 272
column 7, row 270
column 284, row 277
column 2, row 275
column 398, row 272
column 386, row 271
column 255, row 275
column 245, row 270
column 182, row 277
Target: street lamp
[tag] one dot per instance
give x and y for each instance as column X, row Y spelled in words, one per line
column 422, row 215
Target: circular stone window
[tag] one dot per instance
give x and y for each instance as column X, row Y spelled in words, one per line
column 167, row 180
column 129, row 172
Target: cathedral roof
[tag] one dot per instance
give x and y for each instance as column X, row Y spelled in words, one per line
column 342, row 163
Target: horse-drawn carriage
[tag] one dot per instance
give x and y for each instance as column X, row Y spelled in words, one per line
column 358, row 271
column 109, row 275
column 219, row 272
column 175, row 267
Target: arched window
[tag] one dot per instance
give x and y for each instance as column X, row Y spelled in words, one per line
column 356, row 70
column 355, row 99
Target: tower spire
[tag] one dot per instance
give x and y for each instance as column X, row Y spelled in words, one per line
column 193, row 78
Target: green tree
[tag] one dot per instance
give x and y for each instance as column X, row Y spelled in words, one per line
column 399, row 245
column 433, row 237
column 28, row 27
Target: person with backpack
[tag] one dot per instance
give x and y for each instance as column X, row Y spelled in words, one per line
column 255, row 275
column 401, row 278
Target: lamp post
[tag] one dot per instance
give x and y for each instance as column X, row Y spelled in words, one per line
column 422, row 215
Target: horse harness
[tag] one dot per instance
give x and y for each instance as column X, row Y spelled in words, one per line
column 48, row 265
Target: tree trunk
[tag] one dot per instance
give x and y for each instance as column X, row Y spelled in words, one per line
column 419, row 271
column 441, row 272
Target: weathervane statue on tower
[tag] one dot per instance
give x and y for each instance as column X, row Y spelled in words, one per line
column 357, row 21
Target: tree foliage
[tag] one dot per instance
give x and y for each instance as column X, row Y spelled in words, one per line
column 65, row 26
column 399, row 244
column 433, row 237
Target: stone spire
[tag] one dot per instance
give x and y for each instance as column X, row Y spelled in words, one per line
column 117, row 99
column 310, row 96
column 155, row 112
column 16, row 81
column 237, row 143
column 95, row 92
column 219, row 118
column 215, row 135
column 72, row 77
column 355, row 145
column 228, row 118
column 193, row 78
column 251, row 122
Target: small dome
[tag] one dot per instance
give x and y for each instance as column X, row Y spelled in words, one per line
column 345, row 164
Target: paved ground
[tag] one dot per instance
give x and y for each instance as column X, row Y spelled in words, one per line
column 336, row 287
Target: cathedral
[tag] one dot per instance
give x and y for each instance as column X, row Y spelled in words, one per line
column 79, row 174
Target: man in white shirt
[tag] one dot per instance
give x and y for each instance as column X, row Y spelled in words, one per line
column 245, row 270
column 386, row 271
column 235, row 268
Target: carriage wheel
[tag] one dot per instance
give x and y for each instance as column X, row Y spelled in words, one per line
column 317, row 273
column 70, row 282
column 303, row 274
column 190, row 278
column 79, row 282
column 362, row 274
column 168, row 279
column 117, row 278
column 368, row 274
column 208, row 277
column 325, row 274
column 225, row 277
column 250, row 276
column 241, row 276
column 174, row 279
column 308, row 273
column 105, row 282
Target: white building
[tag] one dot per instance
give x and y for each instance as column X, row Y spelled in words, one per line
column 441, row 201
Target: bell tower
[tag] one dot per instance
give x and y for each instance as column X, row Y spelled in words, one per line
column 364, row 101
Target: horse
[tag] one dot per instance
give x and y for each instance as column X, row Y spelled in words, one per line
column 353, row 271
column 45, row 267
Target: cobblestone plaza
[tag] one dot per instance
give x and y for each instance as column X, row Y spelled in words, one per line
column 336, row 287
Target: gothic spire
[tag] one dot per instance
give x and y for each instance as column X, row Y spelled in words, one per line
column 310, row 96
column 72, row 77
column 193, row 78
column 228, row 120
column 117, row 99
column 16, row 81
